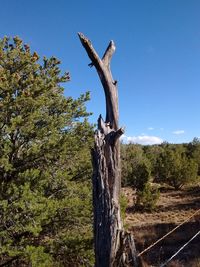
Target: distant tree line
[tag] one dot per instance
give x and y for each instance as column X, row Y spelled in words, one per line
column 175, row 165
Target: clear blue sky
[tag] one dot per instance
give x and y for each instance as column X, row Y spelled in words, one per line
column 157, row 61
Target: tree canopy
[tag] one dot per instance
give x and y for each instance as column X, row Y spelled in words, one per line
column 45, row 214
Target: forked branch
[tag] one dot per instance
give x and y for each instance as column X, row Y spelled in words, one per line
column 103, row 68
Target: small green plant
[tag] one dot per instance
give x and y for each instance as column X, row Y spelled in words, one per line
column 147, row 198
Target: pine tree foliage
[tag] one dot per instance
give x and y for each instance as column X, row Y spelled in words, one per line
column 146, row 168
column 45, row 205
column 194, row 151
column 175, row 168
column 136, row 172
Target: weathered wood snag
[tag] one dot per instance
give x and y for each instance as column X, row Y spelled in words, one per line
column 113, row 246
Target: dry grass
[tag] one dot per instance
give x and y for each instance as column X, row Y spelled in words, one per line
column 172, row 209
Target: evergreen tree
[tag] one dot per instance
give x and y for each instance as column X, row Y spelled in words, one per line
column 136, row 172
column 175, row 168
column 193, row 149
column 44, row 163
column 136, row 167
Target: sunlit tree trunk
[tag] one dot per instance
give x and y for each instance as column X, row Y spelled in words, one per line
column 113, row 245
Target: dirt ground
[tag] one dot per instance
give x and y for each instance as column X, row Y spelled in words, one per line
column 173, row 208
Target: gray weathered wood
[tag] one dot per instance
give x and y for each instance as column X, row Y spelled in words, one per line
column 113, row 245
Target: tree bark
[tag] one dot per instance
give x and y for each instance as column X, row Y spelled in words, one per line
column 113, row 245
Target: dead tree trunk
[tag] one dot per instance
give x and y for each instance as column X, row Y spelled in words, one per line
column 113, row 246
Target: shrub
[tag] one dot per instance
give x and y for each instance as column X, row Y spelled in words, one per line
column 147, row 198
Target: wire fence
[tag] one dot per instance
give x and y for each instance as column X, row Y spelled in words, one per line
column 176, row 253
column 170, row 232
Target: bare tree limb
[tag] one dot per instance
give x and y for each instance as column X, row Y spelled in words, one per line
column 109, row 85
column 108, row 53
